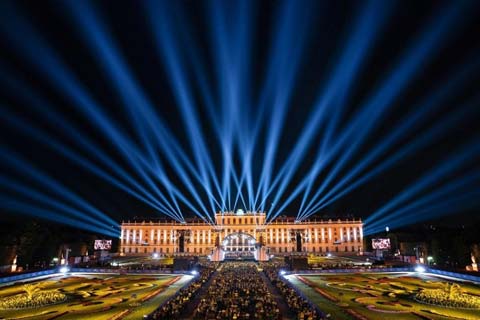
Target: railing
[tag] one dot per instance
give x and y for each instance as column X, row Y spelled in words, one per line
column 403, row 269
column 29, row 275
column 454, row 275
column 120, row 271
column 352, row 270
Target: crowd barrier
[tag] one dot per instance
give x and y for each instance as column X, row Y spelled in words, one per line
column 24, row 276
column 454, row 275
column 122, row 271
column 352, row 270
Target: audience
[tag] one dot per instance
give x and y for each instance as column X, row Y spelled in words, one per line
column 173, row 307
column 297, row 304
column 237, row 291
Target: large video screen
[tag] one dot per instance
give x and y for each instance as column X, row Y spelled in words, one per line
column 381, row 244
column 103, row 245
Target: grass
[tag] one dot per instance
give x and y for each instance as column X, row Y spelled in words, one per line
column 379, row 295
column 97, row 296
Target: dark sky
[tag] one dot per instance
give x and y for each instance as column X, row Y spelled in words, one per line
column 326, row 28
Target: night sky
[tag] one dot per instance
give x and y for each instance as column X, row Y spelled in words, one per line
column 312, row 44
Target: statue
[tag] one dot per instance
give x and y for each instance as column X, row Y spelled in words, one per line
column 14, row 264
column 474, row 265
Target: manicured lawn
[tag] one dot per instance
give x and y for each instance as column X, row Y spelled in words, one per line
column 379, row 295
column 98, row 296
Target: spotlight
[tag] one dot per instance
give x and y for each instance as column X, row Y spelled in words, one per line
column 387, row 229
column 155, row 255
column 64, row 269
column 194, row 272
column 283, row 272
column 329, row 255
column 420, row 269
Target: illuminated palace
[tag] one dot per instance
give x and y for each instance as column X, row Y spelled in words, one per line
column 241, row 235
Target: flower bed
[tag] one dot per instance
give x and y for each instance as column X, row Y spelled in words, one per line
column 23, row 301
column 451, row 297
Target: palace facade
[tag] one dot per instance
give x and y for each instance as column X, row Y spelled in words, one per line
column 241, row 234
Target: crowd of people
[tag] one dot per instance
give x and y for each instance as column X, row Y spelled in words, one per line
column 237, row 291
column 173, row 307
column 296, row 303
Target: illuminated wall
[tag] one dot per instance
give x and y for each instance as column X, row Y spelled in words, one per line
column 279, row 237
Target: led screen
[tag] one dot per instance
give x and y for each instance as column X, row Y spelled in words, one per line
column 103, row 245
column 381, row 244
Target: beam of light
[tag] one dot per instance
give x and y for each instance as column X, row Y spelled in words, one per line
column 286, row 51
column 36, row 196
column 64, row 78
column 200, row 73
column 438, row 196
column 466, row 154
column 228, row 72
column 20, row 165
column 239, row 194
column 184, row 99
column 232, row 51
column 367, row 117
column 76, row 158
column 341, row 78
column 411, row 121
column 99, row 41
column 364, row 32
column 37, row 103
column 452, row 204
column 166, row 47
column 52, row 215
column 290, row 198
column 46, row 61
column 418, row 143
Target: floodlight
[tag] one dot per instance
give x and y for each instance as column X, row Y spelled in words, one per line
column 155, row 255
column 64, row 269
column 420, row 269
column 283, row 272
